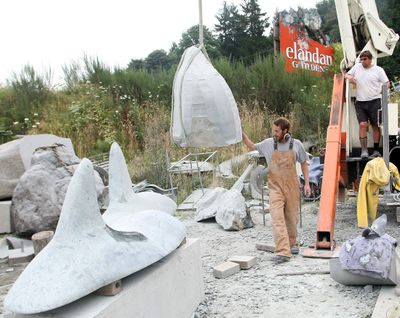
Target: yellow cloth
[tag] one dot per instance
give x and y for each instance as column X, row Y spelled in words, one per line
column 396, row 177
column 375, row 175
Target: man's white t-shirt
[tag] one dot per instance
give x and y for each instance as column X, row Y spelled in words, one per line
column 369, row 81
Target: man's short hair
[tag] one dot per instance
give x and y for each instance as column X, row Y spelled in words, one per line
column 366, row 54
column 283, row 123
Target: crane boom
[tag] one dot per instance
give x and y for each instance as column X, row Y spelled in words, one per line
column 360, row 30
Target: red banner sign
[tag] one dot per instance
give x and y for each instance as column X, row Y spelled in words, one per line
column 302, row 52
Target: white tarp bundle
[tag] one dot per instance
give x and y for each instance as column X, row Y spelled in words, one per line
column 204, row 112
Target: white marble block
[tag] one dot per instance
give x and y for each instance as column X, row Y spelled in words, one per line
column 170, row 288
column 5, row 220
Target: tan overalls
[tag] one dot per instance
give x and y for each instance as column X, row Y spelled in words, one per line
column 284, row 199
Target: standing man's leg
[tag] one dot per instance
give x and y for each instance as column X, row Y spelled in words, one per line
column 292, row 210
column 374, row 107
column 277, row 208
column 363, row 138
column 377, row 137
column 363, row 129
column 362, row 117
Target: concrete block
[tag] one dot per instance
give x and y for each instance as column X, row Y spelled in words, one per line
column 387, row 304
column 5, row 217
column 110, row 289
column 18, row 256
column 226, row 269
column 171, row 288
column 245, row 262
column 267, row 247
column 3, row 248
column 16, row 242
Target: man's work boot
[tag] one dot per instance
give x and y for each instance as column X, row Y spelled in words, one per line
column 279, row 259
column 294, row 250
column 364, row 148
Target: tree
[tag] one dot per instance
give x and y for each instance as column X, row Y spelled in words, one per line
column 191, row 37
column 231, row 30
column 241, row 35
column 156, row 60
column 136, row 64
column 389, row 14
column 330, row 26
column 256, row 21
column 256, row 24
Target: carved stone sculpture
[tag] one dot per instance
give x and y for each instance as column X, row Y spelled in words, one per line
column 123, row 199
column 204, row 110
column 86, row 253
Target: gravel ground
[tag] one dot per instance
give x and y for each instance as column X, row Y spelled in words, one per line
column 268, row 290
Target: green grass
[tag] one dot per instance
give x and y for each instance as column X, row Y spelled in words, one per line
column 99, row 105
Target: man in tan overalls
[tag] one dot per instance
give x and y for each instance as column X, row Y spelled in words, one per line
column 281, row 153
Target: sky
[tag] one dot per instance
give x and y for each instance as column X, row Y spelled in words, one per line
column 49, row 34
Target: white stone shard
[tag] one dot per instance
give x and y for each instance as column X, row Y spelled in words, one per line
column 123, row 199
column 208, row 205
column 31, row 142
column 204, row 110
column 16, row 155
column 86, row 254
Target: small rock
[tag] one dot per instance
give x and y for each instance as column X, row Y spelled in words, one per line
column 368, row 288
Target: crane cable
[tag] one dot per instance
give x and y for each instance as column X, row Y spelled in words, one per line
column 201, row 35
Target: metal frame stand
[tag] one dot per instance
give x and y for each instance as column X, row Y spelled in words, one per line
column 174, row 168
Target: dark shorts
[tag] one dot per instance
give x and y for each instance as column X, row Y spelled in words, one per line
column 368, row 110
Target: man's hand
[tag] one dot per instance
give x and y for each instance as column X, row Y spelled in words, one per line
column 307, row 189
column 246, row 140
column 351, row 78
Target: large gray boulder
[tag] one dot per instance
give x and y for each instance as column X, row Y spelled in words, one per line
column 11, row 168
column 40, row 192
column 15, row 158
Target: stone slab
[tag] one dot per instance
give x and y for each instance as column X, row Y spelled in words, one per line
column 225, row 269
column 18, row 256
column 245, row 262
column 190, row 202
column 3, row 248
column 171, row 288
column 17, row 242
column 5, row 217
column 388, row 302
column 267, row 247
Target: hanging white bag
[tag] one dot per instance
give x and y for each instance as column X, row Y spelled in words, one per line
column 204, row 111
